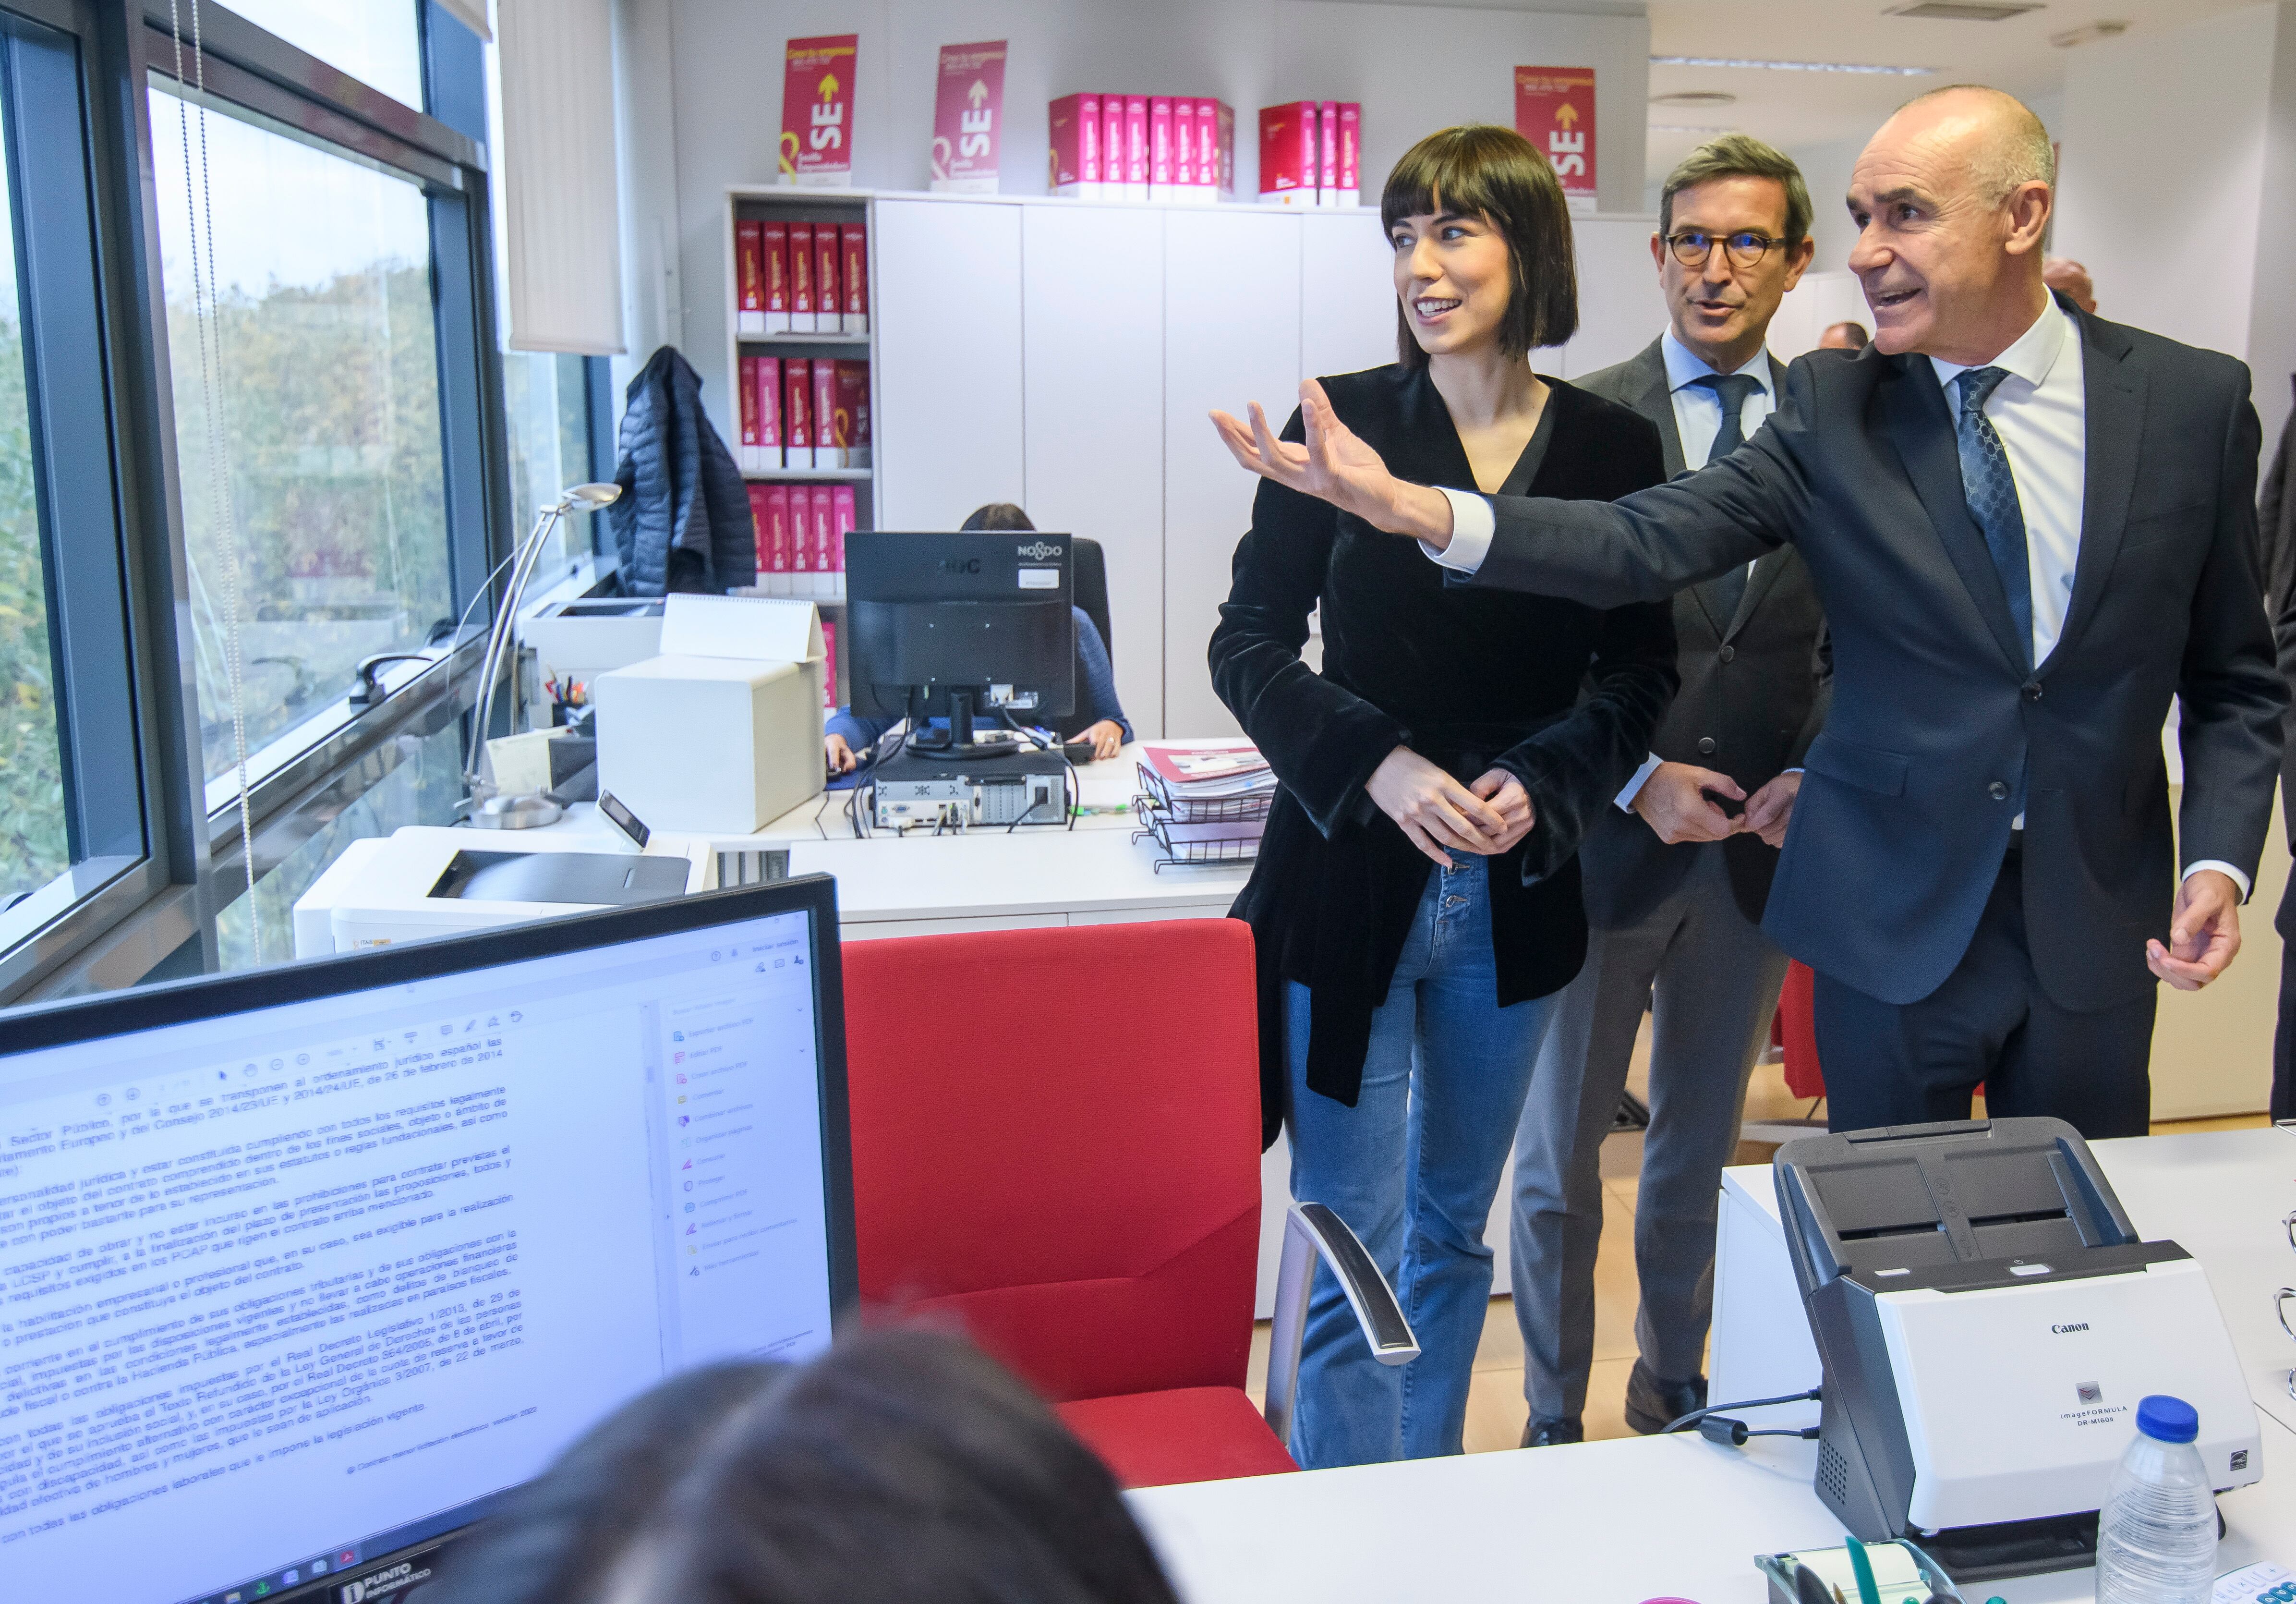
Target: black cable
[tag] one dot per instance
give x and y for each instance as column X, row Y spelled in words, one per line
column 1696, row 1415
column 1734, row 1433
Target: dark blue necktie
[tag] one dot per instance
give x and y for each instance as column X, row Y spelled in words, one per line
column 1724, row 593
column 1992, row 492
column 1732, row 390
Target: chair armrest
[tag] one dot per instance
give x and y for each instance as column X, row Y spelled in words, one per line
column 1312, row 1232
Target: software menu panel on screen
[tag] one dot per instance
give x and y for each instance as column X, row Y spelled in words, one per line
column 295, row 1286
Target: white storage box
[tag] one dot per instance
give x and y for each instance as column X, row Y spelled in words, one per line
column 722, row 732
column 581, row 639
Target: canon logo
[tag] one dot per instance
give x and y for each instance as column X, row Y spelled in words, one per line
column 1037, row 552
column 2068, row 1330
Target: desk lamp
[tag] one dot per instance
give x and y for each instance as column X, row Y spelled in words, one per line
column 493, row 808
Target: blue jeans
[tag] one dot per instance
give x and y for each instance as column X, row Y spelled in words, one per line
column 1412, row 1168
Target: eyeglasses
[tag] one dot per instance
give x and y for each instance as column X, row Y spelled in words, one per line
column 1692, row 246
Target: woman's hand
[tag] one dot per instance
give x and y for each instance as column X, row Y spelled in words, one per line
column 1504, row 792
column 1335, row 465
column 1107, row 739
column 1434, row 810
column 839, row 754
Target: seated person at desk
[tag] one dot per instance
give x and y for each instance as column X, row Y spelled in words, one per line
column 1099, row 718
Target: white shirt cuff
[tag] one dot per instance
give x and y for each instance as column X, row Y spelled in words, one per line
column 2222, row 868
column 1633, row 787
column 1473, row 525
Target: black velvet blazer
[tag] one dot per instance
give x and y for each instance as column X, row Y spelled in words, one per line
column 1467, row 677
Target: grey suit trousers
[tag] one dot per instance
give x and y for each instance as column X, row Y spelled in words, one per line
column 1717, row 981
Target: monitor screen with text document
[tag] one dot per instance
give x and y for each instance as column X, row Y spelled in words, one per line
column 301, row 1268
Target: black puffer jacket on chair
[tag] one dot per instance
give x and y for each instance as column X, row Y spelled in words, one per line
column 682, row 523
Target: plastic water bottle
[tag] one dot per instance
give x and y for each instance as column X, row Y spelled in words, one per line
column 2156, row 1540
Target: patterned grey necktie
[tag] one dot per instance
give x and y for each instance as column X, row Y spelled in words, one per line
column 1992, row 492
column 1723, row 594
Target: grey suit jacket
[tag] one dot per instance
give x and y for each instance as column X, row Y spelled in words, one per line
column 1755, row 686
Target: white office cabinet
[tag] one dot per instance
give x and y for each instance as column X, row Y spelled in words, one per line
column 1346, row 293
column 1231, row 335
column 1620, row 308
column 948, row 412
column 1093, row 318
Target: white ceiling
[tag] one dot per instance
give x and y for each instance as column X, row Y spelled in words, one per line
column 1801, row 109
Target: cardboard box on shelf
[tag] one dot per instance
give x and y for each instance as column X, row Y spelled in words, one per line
column 853, row 237
column 849, row 423
column 825, row 452
column 1075, row 166
column 1327, row 152
column 1290, row 158
column 802, row 301
column 748, row 457
column 1135, row 147
column 842, row 505
column 1112, row 147
column 766, row 391
column 750, row 276
column 797, row 412
column 1216, row 148
column 822, row 500
column 828, row 296
column 1160, row 147
column 776, row 257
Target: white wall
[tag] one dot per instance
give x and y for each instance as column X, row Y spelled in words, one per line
column 1415, row 69
column 2178, row 152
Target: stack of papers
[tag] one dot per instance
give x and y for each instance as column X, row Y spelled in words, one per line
column 1206, row 803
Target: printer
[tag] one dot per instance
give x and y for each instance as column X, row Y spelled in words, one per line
column 1985, row 1320
column 425, row 881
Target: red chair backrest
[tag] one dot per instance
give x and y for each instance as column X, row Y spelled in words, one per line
column 1056, row 1143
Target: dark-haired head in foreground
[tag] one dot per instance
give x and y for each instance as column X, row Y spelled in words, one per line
column 902, row 1466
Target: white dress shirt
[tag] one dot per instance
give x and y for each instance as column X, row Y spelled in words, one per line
column 2041, row 411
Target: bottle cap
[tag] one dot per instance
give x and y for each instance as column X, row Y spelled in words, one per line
column 2167, row 1420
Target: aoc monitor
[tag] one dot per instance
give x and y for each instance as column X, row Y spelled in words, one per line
column 967, row 625
column 302, row 1270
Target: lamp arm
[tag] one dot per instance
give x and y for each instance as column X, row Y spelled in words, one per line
column 498, row 638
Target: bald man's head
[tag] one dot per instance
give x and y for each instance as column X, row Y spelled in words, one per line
column 1951, row 197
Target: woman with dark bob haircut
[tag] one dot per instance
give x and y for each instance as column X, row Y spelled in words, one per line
column 1415, row 902
column 902, row 1466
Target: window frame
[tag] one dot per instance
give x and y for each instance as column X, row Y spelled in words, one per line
column 128, row 920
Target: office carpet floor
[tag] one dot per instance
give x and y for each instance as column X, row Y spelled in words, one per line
column 1496, row 1409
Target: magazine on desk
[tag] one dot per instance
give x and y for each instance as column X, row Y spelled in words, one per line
column 1206, row 772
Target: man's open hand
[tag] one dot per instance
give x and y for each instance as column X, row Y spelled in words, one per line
column 1335, row 465
column 2203, row 936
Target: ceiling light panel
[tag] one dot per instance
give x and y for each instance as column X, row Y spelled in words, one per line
column 1963, row 11
column 1869, row 69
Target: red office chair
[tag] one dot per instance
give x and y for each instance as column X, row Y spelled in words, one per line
column 1072, row 1176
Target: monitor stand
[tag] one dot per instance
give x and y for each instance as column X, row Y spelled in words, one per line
column 958, row 742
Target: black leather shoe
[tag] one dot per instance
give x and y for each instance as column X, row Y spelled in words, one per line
column 1653, row 1404
column 1539, row 1433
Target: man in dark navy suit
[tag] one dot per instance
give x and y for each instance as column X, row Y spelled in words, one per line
column 2030, row 530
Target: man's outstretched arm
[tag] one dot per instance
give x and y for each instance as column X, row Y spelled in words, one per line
column 1642, row 548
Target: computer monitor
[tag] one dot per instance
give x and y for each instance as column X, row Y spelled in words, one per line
column 976, row 624
column 303, row 1269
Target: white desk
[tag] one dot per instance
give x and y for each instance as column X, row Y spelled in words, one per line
column 1620, row 1522
column 2219, row 1196
column 1598, row 1523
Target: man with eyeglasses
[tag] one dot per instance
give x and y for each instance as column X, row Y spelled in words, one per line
column 1675, row 877
column 2031, row 530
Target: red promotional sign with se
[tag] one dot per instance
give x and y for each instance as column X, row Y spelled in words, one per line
column 1554, row 110
column 817, row 110
column 967, row 109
